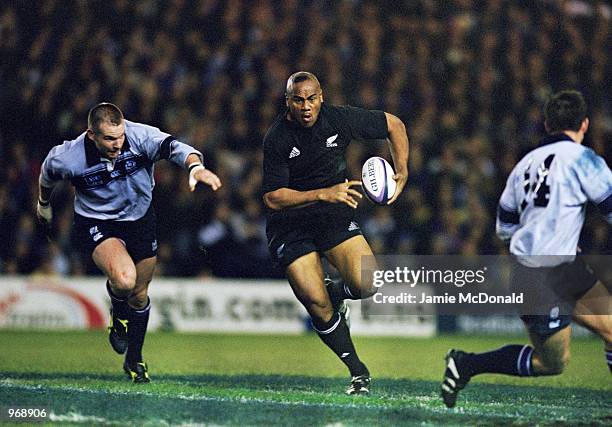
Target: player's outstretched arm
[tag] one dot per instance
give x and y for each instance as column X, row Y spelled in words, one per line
column 286, row 198
column 198, row 173
column 44, row 212
column 399, row 146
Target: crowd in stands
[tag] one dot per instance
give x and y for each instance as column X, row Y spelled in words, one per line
column 467, row 77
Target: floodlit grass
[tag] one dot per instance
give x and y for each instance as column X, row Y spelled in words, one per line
column 286, row 380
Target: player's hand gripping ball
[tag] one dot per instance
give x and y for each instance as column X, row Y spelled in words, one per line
column 377, row 179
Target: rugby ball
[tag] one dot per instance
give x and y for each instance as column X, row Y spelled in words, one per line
column 377, row 179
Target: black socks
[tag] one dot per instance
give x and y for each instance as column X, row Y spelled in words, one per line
column 137, row 328
column 510, row 360
column 137, row 321
column 335, row 334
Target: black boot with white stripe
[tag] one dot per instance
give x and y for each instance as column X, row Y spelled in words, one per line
column 456, row 376
column 360, row 384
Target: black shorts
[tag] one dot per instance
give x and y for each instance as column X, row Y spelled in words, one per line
column 139, row 236
column 297, row 235
column 551, row 293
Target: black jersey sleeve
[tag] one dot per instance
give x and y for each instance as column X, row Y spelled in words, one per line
column 362, row 123
column 275, row 166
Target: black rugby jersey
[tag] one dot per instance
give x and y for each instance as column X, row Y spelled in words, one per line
column 304, row 159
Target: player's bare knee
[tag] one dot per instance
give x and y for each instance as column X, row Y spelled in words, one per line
column 124, row 281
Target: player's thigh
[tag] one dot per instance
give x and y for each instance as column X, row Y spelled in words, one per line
column 140, row 236
column 112, row 258
column 551, row 352
column 144, row 274
column 305, row 276
column 347, row 257
column 594, row 311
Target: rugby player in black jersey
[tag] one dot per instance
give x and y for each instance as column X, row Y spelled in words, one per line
column 311, row 206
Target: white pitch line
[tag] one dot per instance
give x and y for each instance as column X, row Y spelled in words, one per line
column 9, row 383
column 75, row 417
column 421, row 400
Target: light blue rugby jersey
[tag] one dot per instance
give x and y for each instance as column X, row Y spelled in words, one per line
column 542, row 207
column 122, row 192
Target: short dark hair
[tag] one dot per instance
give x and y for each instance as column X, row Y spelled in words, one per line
column 565, row 110
column 104, row 112
column 299, row 77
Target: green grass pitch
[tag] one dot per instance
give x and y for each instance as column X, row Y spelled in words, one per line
column 207, row 379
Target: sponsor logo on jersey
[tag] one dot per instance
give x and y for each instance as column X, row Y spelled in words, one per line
column 554, row 324
column 554, row 320
column 330, row 141
column 97, row 237
column 126, row 165
column 93, row 180
column 294, row 153
column 130, row 165
column 353, row 226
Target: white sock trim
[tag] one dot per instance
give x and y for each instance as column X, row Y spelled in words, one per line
column 142, row 310
column 331, row 329
column 348, row 291
column 519, row 358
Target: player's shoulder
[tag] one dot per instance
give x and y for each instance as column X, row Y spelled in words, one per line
column 571, row 154
column 277, row 132
column 68, row 150
column 340, row 111
column 337, row 116
column 335, row 108
column 140, row 130
column 345, row 109
column 136, row 125
column 341, row 115
column 67, row 158
column 561, row 146
column 587, row 160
